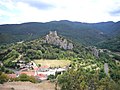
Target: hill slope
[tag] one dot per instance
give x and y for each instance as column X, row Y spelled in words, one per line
column 101, row 34
column 112, row 44
column 85, row 61
column 85, row 33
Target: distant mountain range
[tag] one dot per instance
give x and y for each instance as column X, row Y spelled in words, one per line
column 85, row 33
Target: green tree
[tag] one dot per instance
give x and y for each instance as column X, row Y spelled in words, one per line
column 3, row 78
column 23, row 77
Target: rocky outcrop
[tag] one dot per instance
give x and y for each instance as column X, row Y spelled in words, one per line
column 94, row 51
column 53, row 38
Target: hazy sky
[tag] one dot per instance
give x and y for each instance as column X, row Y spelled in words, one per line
column 91, row 11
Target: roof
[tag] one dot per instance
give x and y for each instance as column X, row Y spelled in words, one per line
column 12, row 75
column 24, row 69
column 44, row 66
column 35, row 68
column 29, row 73
column 42, row 76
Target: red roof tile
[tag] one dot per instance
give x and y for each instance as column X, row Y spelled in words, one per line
column 29, row 73
column 42, row 75
column 12, row 75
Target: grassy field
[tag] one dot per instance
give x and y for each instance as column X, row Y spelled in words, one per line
column 53, row 63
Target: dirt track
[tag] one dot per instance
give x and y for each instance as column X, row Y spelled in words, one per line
column 46, row 85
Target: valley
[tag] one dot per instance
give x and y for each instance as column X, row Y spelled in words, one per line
column 59, row 44
column 61, row 61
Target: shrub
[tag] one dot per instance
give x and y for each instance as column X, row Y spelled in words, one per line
column 3, row 78
column 51, row 78
column 24, row 77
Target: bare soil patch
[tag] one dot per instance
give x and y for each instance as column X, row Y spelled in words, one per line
column 45, row 85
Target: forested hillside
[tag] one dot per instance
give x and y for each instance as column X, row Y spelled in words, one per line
column 112, row 44
column 85, row 33
column 88, row 64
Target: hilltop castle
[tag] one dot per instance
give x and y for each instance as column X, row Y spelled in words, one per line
column 53, row 38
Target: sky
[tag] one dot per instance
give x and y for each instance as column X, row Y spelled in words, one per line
column 90, row 11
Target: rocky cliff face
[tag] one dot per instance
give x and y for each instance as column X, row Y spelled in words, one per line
column 94, row 51
column 53, row 38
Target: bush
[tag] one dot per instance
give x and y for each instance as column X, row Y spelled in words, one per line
column 24, row 77
column 51, row 78
column 3, row 78
column 32, row 79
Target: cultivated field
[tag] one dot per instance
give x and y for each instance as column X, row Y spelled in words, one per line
column 53, row 63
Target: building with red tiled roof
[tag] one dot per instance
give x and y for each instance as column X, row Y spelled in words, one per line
column 43, row 69
column 29, row 73
column 12, row 75
column 42, row 76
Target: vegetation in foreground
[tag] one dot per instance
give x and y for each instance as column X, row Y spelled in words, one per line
column 23, row 77
column 80, row 79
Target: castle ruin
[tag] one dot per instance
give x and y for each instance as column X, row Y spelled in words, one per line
column 53, row 38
